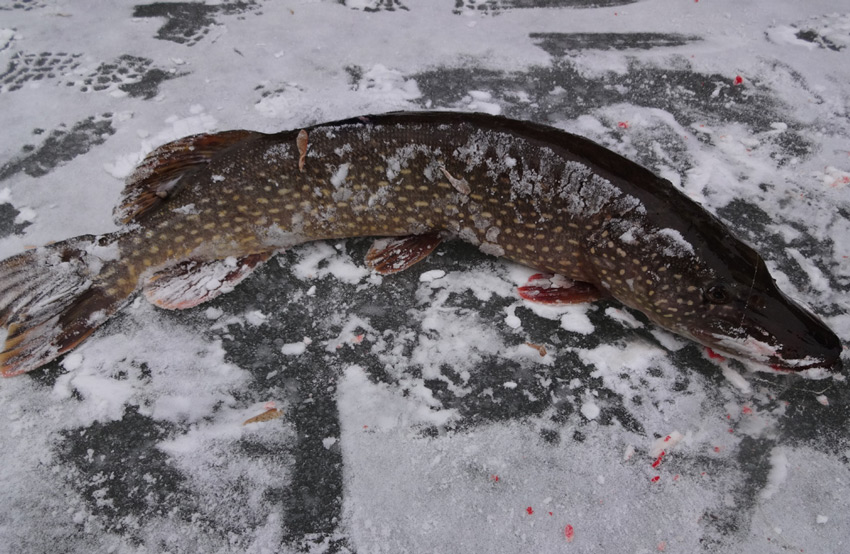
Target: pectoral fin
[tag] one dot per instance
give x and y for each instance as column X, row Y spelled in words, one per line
column 393, row 255
column 546, row 288
column 187, row 284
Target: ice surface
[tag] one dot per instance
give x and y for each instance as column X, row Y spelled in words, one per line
column 429, row 411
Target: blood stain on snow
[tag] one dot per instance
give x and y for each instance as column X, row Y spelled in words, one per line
column 494, row 478
column 657, row 461
column 530, row 511
column 747, row 410
column 655, row 479
column 569, row 533
column 738, row 79
column 623, row 124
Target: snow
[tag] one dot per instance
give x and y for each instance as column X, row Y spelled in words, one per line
column 293, row 348
column 590, row 410
column 429, row 411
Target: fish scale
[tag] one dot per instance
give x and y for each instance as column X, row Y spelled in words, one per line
column 201, row 213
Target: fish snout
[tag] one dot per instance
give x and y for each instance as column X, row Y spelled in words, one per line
column 773, row 330
column 801, row 339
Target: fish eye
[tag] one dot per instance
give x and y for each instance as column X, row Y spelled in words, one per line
column 717, row 293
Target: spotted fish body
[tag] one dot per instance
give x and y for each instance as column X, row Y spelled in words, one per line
column 201, row 213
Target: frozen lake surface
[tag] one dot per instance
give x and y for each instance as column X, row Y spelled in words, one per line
column 432, row 410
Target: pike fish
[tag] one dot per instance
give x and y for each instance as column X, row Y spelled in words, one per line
column 201, row 213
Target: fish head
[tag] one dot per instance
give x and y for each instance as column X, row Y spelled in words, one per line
column 756, row 321
column 705, row 284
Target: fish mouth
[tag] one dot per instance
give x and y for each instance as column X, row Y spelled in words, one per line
column 792, row 341
column 768, row 357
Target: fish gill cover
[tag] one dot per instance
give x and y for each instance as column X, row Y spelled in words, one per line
column 432, row 410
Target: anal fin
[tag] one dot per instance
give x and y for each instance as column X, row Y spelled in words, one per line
column 389, row 256
column 546, row 288
column 187, row 284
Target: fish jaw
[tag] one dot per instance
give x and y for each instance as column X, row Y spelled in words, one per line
column 780, row 334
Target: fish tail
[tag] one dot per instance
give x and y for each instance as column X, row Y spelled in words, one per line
column 55, row 296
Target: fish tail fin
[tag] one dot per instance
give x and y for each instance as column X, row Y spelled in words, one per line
column 53, row 297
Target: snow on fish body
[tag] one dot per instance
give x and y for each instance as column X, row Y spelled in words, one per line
column 200, row 213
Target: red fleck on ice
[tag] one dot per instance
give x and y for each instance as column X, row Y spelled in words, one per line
column 657, row 461
column 357, row 339
column 569, row 533
column 714, row 355
column 365, row 426
column 655, row 479
column 494, row 478
column 530, row 511
column 731, row 430
column 662, row 546
column 747, row 410
column 676, row 477
column 717, row 449
column 550, row 513
column 738, row 79
column 623, row 124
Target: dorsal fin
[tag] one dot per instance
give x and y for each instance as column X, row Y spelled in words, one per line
column 155, row 179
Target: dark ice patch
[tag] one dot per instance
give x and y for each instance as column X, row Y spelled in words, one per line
column 562, row 44
column 8, row 213
column 813, row 36
column 120, row 472
column 751, row 223
column 560, row 92
column 312, row 498
column 189, row 22
column 379, row 6
column 494, row 7
column 828, row 431
column 61, row 145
